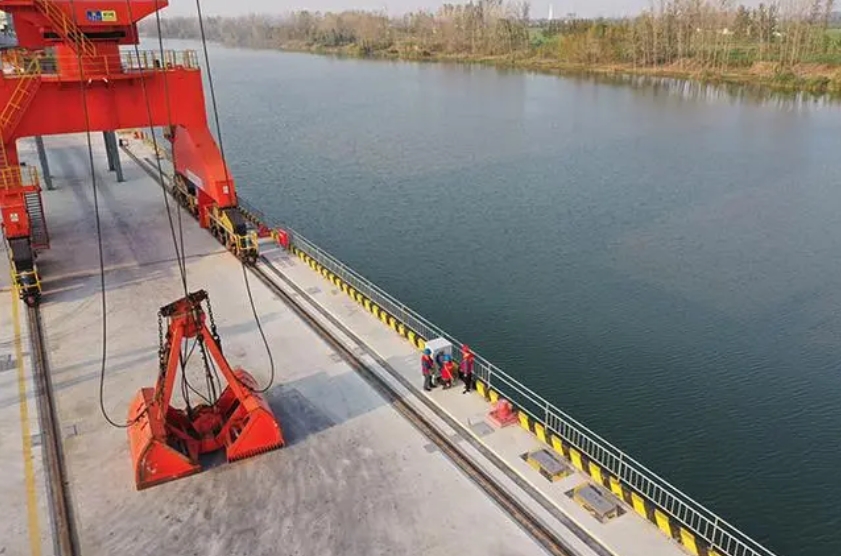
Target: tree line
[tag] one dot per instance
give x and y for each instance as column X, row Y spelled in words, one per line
column 683, row 35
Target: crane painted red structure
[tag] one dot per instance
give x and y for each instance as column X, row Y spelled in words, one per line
column 88, row 84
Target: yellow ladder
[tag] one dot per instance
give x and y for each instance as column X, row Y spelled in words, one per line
column 9, row 117
column 65, row 27
column 21, row 96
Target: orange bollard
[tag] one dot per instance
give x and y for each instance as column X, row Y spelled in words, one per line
column 283, row 238
column 503, row 414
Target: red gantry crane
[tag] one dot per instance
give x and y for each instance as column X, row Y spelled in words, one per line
column 86, row 83
column 90, row 84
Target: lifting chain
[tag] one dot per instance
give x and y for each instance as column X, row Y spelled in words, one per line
column 211, row 387
column 161, row 347
column 213, row 332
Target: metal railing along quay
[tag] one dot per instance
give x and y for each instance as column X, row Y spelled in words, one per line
column 723, row 538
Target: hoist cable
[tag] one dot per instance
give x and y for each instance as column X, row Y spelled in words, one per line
column 227, row 179
column 180, row 254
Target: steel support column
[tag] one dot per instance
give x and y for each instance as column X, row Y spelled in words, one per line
column 109, row 152
column 113, row 152
column 45, row 165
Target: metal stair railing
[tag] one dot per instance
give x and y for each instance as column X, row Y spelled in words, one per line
column 19, row 176
column 20, row 96
column 66, row 28
column 38, row 233
column 10, row 116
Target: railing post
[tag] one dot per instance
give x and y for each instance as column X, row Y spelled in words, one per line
column 404, row 315
column 545, row 413
column 619, row 473
column 713, row 537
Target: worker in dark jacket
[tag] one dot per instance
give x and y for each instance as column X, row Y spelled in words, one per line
column 427, row 365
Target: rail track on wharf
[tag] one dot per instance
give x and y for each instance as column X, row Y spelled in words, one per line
column 64, row 534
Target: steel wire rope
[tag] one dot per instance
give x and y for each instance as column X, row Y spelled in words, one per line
column 186, row 387
column 181, row 255
column 227, row 178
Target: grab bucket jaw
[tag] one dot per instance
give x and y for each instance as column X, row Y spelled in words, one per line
column 252, row 428
column 154, row 460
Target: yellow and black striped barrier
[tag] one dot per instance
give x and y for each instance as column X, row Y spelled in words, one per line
column 389, row 320
column 641, row 505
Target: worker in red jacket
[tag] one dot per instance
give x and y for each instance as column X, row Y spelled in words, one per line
column 466, row 370
column 427, row 364
column 447, row 372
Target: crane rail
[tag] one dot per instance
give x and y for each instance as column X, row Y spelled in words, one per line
column 61, row 518
column 525, row 518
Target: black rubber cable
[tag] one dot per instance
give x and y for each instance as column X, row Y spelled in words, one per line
column 98, row 233
column 179, row 256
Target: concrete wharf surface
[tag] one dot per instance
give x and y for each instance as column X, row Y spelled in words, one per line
column 355, row 477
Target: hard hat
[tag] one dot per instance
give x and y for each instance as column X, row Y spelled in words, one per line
column 447, row 358
column 427, row 351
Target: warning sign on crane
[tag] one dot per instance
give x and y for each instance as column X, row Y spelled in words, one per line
column 102, row 15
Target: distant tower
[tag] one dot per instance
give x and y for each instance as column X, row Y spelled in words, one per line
column 551, row 17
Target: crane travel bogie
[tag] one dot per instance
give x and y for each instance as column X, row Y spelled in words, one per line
column 227, row 225
column 25, row 273
column 231, row 229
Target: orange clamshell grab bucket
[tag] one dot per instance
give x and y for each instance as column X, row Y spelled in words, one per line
column 166, row 442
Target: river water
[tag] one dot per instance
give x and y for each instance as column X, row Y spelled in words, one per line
column 663, row 262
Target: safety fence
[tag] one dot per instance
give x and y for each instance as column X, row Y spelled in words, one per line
column 18, row 63
column 700, row 531
column 697, row 529
column 18, row 176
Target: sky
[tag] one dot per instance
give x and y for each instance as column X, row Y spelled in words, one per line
column 539, row 8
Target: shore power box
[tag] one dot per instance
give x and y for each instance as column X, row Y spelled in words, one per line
column 439, row 348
